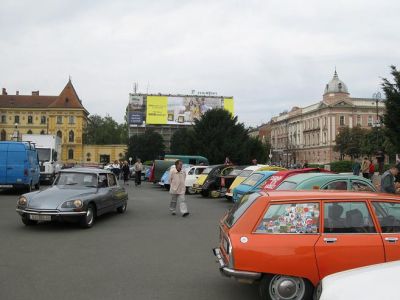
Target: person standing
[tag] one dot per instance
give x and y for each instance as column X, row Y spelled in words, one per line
column 371, row 169
column 365, row 167
column 356, row 168
column 115, row 168
column 138, row 167
column 387, row 181
column 177, row 189
column 125, row 172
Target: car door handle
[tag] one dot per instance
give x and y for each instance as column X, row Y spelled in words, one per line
column 391, row 239
column 330, row 240
column 9, row 168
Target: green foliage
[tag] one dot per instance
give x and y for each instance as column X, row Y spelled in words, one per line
column 218, row 135
column 341, row 166
column 391, row 119
column 104, row 131
column 147, row 146
column 349, row 141
column 316, row 166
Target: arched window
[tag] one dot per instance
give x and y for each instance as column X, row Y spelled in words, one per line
column 71, row 136
column 59, row 134
column 3, row 135
column 29, row 131
column 70, row 154
column 42, row 132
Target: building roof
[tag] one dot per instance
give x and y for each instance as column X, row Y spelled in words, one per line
column 336, row 85
column 68, row 98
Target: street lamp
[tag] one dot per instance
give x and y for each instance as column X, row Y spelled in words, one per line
column 379, row 153
column 16, row 133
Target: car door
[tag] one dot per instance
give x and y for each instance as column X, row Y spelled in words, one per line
column 104, row 195
column 349, row 239
column 3, row 162
column 388, row 215
column 117, row 193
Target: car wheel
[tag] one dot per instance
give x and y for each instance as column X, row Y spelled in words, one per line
column 88, row 219
column 27, row 222
column 277, row 287
column 191, row 190
column 214, row 194
column 204, row 193
column 122, row 208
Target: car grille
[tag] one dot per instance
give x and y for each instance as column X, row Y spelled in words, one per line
column 41, row 168
column 44, row 211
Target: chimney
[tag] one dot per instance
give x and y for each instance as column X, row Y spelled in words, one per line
column 35, row 93
column 4, row 91
column 17, row 93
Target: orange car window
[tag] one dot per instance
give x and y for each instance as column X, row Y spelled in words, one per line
column 388, row 216
column 290, row 218
column 347, row 217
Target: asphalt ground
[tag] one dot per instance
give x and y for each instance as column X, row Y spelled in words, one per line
column 145, row 253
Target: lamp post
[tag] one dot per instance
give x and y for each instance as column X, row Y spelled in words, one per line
column 380, row 157
column 16, row 133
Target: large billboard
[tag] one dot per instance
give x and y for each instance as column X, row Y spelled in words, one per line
column 173, row 109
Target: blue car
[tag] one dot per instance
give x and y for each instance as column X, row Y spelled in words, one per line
column 251, row 184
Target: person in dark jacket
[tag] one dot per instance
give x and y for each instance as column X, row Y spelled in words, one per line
column 125, row 172
column 388, row 179
column 356, row 167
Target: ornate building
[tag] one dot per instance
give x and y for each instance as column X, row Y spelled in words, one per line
column 309, row 133
column 62, row 115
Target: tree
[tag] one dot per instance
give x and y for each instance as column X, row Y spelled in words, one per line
column 147, row 146
column 218, row 135
column 104, row 131
column 391, row 118
column 349, row 141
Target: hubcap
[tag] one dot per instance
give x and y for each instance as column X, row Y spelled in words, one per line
column 89, row 216
column 286, row 288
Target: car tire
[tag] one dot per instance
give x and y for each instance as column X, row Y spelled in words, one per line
column 205, row 193
column 27, row 221
column 122, row 208
column 88, row 219
column 190, row 190
column 274, row 287
column 214, row 194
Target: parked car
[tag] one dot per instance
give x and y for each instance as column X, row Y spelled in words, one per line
column 210, row 170
column 19, row 166
column 77, row 195
column 277, row 178
column 224, row 181
column 289, row 240
column 310, row 181
column 367, row 283
column 159, row 167
column 210, row 176
column 164, row 181
column 188, row 159
column 192, row 175
column 251, row 184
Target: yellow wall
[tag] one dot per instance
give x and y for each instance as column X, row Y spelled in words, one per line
column 92, row 152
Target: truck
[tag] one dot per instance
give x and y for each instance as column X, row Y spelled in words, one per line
column 49, row 151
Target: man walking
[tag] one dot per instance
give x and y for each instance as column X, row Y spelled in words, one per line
column 177, row 189
column 387, row 181
column 138, row 167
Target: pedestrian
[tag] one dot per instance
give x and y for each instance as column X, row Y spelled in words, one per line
column 227, row 161
column 371, row 169
column 365, row 167
column 125, row 172
column 138, row 167
column 254, row 162
column 177, row 189
column 356, row 167
column 387, row 181
column 115, row 168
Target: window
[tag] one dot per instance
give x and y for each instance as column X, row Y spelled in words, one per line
column 111, row 180
column 3, row 119
column 388, row 215
column 252, row 179
column 347, row 217
column 361, row 187
column 59, row 134
column 369, row 120
column 29, row 131
column 70, row 154
column 42, row 132
column 103, row 181
column 71, row 120
column 43, row 120
column 30, row 119
column 239, row 208
column 290, row 218
column 59, row 119
column 71, row 136
column 198, row 171
column 191, row 172
column 3, row 135
column 341, row 121
column 287, row 185
column 16, row 119
column 336, row 185
column 359, row 120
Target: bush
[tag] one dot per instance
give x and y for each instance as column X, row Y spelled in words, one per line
column 316, row 166
column 341, row 166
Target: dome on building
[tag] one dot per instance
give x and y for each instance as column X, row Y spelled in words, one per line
column 336, row 86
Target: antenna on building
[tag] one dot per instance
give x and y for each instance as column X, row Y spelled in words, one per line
column 147, row 90
column 135, row 87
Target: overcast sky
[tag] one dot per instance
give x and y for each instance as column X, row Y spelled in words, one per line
column 268, row 55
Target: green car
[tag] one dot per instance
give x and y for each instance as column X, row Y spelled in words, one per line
column 323, row 181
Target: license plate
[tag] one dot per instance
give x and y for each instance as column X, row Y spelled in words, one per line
column 40, row 217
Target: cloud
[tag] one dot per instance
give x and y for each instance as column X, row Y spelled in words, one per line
column 269, row 55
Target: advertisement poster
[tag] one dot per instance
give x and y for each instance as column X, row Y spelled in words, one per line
column 156, row 110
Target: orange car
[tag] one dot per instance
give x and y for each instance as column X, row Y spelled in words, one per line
column 288, row 241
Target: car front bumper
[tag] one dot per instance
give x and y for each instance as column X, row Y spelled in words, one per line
column 51, row 214
column 229, row 272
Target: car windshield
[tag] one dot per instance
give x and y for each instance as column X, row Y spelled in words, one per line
column 252, row 179
column 74, row 180
column 44, row 154
column 240, row 207
column 287, row 185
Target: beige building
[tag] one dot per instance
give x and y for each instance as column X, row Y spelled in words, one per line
column 103, row 153
column 309, row 133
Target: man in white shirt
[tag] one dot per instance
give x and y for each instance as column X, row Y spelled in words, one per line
column 177, row 189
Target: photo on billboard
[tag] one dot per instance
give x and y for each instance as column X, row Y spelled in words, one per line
column 136, row 110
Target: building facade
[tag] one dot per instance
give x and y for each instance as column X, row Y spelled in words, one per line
column 62, row 115
column 309, row 133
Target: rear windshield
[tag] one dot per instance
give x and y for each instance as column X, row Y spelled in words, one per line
column 240, row 207
column 235, row 172
column 287, row 185
column 245, row 173
column 252, row 179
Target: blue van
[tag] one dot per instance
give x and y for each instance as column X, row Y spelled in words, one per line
column 19, row 165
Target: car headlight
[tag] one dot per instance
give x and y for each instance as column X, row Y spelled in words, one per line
column 22, row 201
column 72, row 204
